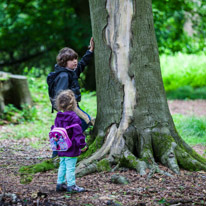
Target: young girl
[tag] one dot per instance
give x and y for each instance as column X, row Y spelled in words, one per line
column 66, row 102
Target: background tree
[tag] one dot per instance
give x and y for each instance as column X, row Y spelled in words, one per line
column 32, row 32
column 133, row 126
column 170, row 18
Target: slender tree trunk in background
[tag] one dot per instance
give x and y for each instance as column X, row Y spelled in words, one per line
column 132, row 111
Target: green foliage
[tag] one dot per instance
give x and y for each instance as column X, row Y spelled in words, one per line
column 14, row 115
column 32, row 32
column 187, row 92
column 197, row 15
column 39, row 90
column 191, row 129
column 182, row 70
column 35, row 72
column 28, row 113
column 169, row 21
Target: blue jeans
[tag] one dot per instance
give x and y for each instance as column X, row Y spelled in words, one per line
column 84, row 124
column 67, row 168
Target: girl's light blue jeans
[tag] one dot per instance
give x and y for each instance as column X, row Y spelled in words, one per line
column 67, row 168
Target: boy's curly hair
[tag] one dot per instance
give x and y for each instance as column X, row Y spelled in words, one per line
column 66, row 101
column 65, row 55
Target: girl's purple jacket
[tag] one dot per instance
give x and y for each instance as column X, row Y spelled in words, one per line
column 76, row 135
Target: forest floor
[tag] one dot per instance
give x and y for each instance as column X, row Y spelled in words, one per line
column 188, row 188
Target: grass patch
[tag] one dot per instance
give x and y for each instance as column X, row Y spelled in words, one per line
column 191, row 129
column 89, row 103
column 182, row 70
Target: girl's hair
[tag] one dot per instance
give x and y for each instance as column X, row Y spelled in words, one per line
column 65, row 55
column 66, row 101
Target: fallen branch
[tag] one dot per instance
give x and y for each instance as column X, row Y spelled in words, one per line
column 180, row 201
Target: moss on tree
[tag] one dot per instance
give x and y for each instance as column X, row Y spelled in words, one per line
column 97, row 143
column 103, row 165
column 129, row 162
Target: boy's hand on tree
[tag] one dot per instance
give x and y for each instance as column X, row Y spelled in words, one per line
column 91, row 45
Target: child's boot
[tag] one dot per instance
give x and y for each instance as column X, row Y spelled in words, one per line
column 61, row 187
column 75, row 188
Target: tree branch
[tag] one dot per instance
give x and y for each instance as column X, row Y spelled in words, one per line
column 23, row 59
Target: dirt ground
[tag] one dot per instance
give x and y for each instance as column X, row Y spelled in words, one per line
column 189, row 107
column 188, row 188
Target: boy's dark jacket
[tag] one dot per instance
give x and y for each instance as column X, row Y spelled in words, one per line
column 63, row 78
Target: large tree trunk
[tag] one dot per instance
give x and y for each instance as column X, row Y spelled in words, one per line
column 132, row 111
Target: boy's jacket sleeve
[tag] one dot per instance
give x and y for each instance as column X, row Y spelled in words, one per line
column 85, row 60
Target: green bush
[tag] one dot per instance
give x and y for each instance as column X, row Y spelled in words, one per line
column 187, row 92
column 14, row 115
column 183, row 70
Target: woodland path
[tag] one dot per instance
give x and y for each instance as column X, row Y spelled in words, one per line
column 186, row 189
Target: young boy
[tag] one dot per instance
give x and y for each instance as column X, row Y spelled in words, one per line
column 69, row 70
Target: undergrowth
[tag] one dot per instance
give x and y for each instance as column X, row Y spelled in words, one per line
column 192, row 129
column 184, row 75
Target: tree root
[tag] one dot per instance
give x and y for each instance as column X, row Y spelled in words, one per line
column 172, row 155
column 129, row 160
column 187, row 162
column 87, row 170
column 100, row 154
column 155, row 169
column 154, row 145
column 164, row 149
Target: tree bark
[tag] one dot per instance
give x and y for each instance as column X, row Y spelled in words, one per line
column 133, row 116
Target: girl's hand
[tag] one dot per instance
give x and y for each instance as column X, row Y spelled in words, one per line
column 91, row 45
column 84, row 149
